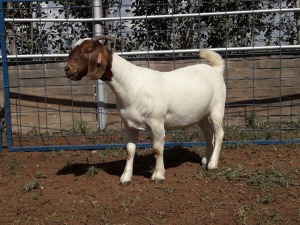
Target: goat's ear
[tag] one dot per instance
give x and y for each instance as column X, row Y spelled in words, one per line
column 97, row 64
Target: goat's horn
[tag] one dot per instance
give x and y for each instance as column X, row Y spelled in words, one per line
column 103, row 37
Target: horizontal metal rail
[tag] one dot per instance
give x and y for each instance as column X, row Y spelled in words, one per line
column 145, row 145
column 179, row 51
column 152, row 16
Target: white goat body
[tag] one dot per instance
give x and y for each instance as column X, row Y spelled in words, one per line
column 174, row 99
column 156, row 101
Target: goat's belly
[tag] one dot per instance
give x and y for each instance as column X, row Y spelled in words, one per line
column 188, row 112
column 174, row 121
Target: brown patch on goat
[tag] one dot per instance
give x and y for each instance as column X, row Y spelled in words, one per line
column 108, row 74
column 82, row 61
column 156, row 152
column 100, row 70
column 128, row 155
column 76, row 65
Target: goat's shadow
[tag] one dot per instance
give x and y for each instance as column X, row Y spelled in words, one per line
column 143, row 164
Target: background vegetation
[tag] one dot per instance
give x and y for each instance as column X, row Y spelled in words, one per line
column 150, row 34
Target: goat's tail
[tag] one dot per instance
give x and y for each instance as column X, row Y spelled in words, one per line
column 214, row 58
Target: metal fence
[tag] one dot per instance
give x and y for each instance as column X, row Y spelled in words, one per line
column 43, row 110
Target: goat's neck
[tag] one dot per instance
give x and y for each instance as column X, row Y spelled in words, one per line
column 122, row 78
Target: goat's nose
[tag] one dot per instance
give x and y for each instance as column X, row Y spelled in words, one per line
column 67, row 68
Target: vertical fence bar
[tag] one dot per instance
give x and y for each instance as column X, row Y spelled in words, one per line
column 280, row 78
column 297, row 5
column 5, row 79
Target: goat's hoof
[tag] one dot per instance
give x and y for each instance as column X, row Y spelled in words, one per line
column 212, row 166
column 159, row 181
column 124, row 184
column 204, row 162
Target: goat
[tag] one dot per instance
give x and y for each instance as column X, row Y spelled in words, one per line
column 157, row 101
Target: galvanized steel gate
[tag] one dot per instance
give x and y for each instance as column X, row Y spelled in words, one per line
column 44, row 111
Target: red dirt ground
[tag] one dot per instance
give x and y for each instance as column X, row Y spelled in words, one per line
column 253, row 185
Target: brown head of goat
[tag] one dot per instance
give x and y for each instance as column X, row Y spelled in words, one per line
column 91, row 59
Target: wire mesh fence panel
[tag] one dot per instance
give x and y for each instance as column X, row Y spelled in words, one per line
column 43, row 110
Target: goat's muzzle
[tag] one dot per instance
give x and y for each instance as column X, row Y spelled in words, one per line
column 72, row 74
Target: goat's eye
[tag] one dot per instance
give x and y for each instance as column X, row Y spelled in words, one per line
column 85, row 52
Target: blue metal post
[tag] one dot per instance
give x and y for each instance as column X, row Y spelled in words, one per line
column 5, row 78
column 1, row 5
column 0, row 136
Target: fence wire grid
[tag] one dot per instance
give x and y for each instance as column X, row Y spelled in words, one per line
column 42, row 110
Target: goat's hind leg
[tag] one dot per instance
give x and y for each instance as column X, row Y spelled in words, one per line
column 132, row 137
column 218, row 138
column 208, row 132
column 216, row 118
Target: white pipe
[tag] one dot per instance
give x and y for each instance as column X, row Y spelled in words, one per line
column 133, row 53
column 100, row 93
column 153, row 16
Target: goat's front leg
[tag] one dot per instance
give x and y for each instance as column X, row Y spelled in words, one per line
column 132, row 137
column 158, row 149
